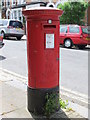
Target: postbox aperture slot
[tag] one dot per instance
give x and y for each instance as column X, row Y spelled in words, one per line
column 49, row 26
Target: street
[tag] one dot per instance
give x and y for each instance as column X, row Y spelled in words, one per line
column 73, row 64
column 13, row 56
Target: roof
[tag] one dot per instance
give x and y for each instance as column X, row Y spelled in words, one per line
column 32, row 3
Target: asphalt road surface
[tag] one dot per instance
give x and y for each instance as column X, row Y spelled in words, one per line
column 73, row 64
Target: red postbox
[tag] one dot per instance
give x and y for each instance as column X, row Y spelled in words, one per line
column 43, row 55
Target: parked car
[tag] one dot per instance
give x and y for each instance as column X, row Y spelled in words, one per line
column 74, row 35
column 1, row 41
column 11, row 28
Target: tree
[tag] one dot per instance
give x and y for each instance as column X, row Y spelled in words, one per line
column 74, row 12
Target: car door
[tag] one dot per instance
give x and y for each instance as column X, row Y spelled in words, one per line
column 63, row 33
column 74, row 33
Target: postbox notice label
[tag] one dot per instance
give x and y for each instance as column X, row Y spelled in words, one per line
column 49, row 40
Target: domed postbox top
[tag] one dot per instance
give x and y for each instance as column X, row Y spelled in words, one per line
column 42, row 12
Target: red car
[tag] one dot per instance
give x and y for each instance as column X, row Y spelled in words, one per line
column 1, row 41
column 74, row 35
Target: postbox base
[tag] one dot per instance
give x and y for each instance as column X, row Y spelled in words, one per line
column 37, row 99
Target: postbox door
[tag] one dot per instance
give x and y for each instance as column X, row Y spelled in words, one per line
column 52, row 59
column 48, row 72
column 43, row 55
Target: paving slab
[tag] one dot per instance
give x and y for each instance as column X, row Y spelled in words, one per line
column 20, row 113
column 14, row 101
column 14, row 104
column 12, row 98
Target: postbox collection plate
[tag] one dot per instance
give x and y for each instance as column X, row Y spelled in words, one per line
column 49, row 40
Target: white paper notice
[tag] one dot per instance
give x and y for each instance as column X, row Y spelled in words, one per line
column 49, row 40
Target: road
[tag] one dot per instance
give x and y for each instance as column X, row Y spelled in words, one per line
column 73, row 64
column 13, row 56
column 74, row 70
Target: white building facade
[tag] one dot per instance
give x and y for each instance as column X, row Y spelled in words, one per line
column 16, row 13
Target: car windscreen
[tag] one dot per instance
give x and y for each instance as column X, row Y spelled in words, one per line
column 3, row 22
column 85, row 30
column 16, row 24
column 63, row 29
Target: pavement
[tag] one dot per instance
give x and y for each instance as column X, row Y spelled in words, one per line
column 13, row 100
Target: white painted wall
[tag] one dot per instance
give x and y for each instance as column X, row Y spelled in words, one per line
column 0, row 14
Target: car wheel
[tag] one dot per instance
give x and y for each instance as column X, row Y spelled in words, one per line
column 81, row 46
column 18, row 38
column 68, row 43
column 3, row 34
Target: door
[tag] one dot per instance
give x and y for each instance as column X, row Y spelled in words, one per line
column 74, row 33
column 63, row 33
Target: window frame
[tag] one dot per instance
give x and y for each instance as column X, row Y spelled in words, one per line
column 3, row 3
column 74, row 29
column 13, row 4
column 66, row 28
column 7, row 1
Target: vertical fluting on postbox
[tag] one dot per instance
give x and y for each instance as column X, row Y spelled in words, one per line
column 42, row 55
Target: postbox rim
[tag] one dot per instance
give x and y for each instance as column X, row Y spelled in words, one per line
column 42, row 11
column 42, row 8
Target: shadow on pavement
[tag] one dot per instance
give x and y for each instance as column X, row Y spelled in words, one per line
column 14, row 39
column 2, row 57
column 56, row 116
column 87, row 49
column 10, row 38
column 76, row 48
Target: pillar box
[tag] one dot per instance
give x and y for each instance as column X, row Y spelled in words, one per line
column 43, row 55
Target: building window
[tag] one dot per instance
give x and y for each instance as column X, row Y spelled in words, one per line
column 13, row 2
column 15, row 14
column 8, row 15
column 2, row 3
column 19, row 1
column 8, row 3
column 19, row 14
column 23, row 1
